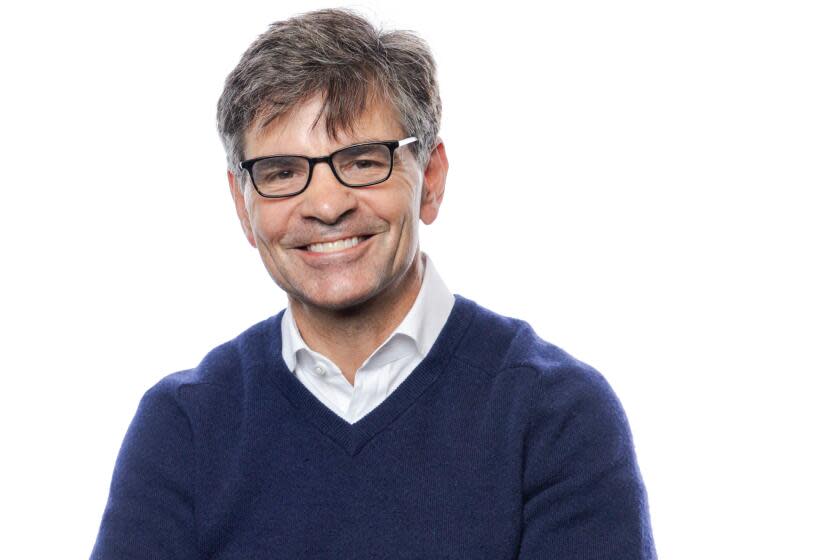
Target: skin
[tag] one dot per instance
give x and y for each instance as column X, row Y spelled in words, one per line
column 348, row 302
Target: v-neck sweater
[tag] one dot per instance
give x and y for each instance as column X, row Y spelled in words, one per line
column 387, row 366
column 498, row 445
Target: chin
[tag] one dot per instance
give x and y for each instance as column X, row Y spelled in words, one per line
column 338, row 300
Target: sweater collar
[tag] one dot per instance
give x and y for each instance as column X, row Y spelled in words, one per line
column 263, row 356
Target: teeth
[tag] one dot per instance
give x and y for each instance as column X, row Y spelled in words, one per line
column 334, row 245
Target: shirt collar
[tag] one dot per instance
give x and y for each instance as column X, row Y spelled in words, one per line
column 416, row 333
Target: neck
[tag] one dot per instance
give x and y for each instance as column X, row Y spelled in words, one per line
column 349, row 336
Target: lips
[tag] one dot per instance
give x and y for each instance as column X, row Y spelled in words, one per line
column 335, row 245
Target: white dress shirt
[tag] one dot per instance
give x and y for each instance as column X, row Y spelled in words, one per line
column 386, row 368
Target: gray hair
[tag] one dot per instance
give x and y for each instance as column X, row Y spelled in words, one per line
column 340, row 55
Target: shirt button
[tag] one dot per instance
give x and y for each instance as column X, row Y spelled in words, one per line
column 320, row 370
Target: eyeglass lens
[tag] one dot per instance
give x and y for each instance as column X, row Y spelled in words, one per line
column 355, row 166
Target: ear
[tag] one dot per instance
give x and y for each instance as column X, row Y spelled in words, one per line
column 241, row 208
column 434, row 183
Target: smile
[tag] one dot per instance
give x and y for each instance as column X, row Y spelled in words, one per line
column 333, row 246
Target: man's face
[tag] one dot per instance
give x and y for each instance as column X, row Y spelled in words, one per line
column 384, row 217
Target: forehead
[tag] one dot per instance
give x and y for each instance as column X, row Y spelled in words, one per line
column 303, row 130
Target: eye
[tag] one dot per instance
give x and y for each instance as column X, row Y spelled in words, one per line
column 366, row 163
column 280, row 174
column 364, row 156
column 280, row 170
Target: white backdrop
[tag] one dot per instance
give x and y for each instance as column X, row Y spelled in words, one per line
column 674, row 222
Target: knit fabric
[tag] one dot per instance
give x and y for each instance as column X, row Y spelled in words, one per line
column 498, row 445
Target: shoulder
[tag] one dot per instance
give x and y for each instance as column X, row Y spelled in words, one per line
column 499, row 344
column 581, row 484
column 556, row 392
column 226, row 367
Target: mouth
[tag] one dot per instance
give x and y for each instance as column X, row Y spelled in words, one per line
column 334, row 246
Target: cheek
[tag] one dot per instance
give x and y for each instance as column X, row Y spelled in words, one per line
column 406, row 216
column 406, row 201
column 268, row 221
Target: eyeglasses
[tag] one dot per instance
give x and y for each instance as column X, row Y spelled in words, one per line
column 360, row 165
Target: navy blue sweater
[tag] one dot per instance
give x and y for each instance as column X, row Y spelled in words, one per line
column 498, row 445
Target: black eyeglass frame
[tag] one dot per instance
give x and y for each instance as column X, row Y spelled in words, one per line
column 392, row 145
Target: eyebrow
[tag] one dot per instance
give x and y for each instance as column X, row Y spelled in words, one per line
column 364, row 147
column 354, row 144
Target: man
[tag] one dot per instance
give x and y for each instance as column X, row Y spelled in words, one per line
column 378, row 416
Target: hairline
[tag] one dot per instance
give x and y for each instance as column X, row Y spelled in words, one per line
column 396, row 66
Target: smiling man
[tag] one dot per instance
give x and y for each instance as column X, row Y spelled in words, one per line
column 348, row 258
column 378, row 415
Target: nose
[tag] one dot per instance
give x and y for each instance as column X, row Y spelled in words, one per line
column 325, row 199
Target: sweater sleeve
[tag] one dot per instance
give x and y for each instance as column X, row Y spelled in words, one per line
column 582, row 491
column 149, row 514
